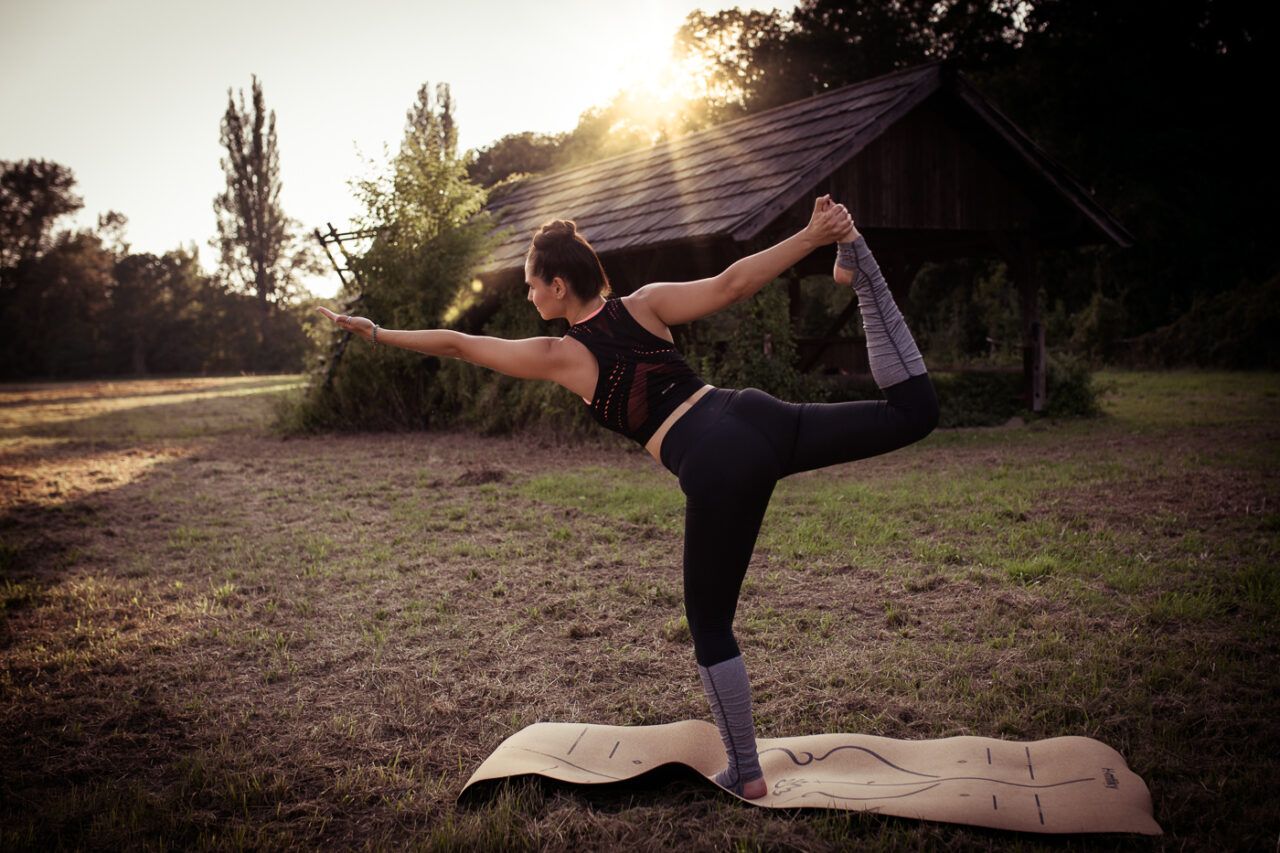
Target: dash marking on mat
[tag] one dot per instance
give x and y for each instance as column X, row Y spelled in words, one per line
column 1030, row 769
column 988, row 755
column 993, row 803
column 1040, row 810
column 575, row 743
column 615, row 748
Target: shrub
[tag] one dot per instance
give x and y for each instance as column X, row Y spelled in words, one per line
column 1071, row 388
column 1234, row 329
column 750, row 344
column 973, row 398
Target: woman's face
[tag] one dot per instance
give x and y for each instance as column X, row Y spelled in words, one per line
column 543, row 296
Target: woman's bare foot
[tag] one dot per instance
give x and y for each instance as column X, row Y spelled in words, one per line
column 842, row 276
column 755, row 789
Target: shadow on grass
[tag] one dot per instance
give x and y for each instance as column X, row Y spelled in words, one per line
column 44, row 394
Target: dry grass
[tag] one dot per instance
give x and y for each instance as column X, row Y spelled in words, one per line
column 216, row 639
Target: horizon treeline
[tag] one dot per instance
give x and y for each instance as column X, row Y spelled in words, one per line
column 79, row 303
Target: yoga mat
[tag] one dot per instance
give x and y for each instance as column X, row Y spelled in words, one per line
column 1060, row 785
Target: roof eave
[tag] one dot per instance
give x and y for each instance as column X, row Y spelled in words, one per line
column 823, row 166
column 1039, row 160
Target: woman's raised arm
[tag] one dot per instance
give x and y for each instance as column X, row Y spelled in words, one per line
column 683, row 302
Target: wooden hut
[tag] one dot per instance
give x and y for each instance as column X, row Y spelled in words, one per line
column 929, row 167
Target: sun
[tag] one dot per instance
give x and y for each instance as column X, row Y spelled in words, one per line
column 661, row 90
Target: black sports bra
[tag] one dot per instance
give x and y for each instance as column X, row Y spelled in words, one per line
column 643, row 378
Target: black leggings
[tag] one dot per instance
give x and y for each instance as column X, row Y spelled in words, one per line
column 729, row 451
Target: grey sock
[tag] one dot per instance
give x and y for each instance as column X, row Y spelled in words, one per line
column 729, row 693
column 891, row 350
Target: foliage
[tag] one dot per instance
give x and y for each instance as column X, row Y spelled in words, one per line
column 53, row 307
column 418, row 273
column 514, row 155
column 1071, row 388
column 1098, row 328
column 760, row 60
column 260, row 248
column 751, row 344
column 741, row 53
column 33, row 195
column 978, row 397
column 1235, row 328
column 1108, row 88
column 80, row 304
column 990, row 397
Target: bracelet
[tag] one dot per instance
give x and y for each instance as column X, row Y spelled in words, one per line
column 375, row 334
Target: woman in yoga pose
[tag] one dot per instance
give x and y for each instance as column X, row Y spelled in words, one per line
column 728, row 448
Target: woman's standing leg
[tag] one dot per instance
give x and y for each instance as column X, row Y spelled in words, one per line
column 727, row 474
column 719, row 539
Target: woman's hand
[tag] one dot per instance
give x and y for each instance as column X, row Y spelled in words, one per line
column 361, row 326
column 830, row 222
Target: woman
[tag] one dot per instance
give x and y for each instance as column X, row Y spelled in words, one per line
column 728, row 448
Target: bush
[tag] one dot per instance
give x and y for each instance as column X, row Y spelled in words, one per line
column 1234, row 329
column 973, row 398
column 978, row 397
column 750, row 345
column 1098, row 328
column 1071, row 389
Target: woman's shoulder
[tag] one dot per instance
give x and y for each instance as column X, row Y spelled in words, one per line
column 637, row 306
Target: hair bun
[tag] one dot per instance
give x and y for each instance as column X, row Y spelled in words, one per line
column 555, row 231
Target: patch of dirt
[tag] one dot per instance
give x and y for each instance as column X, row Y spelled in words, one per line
column 480, row 477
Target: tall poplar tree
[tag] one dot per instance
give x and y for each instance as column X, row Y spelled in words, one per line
column 261, row 250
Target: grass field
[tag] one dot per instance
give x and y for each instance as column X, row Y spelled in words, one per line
column 214, row 638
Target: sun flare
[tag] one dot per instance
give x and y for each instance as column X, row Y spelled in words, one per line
column 659, row 86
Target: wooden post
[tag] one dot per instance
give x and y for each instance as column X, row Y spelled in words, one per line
column 1033, row 368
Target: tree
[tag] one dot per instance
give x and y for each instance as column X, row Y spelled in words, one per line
column 757, row 60
column 744, row 58
column 423, row 208
column 513, row 155
column 418, row 272
column 52, row 309
column 33, row 194
column 261, row 248
column 1162, row 114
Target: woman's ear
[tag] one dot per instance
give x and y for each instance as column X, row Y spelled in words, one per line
column 559, row 286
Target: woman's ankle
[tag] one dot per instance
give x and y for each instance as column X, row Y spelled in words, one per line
column 755, row 789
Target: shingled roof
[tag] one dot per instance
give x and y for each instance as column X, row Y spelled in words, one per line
column 731, row 182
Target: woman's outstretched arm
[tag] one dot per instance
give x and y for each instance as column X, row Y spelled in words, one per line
column 529, row 358
column 684, row 302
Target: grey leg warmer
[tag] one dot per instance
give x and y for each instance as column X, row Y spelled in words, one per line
column 890, row 348
column 730, row 695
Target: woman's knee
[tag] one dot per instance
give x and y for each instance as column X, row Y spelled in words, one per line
column 929, row 413
column 918, row 402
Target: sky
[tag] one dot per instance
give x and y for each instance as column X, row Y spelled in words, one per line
column 129, row 94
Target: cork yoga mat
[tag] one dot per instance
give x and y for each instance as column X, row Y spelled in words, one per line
column 1060, row 785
